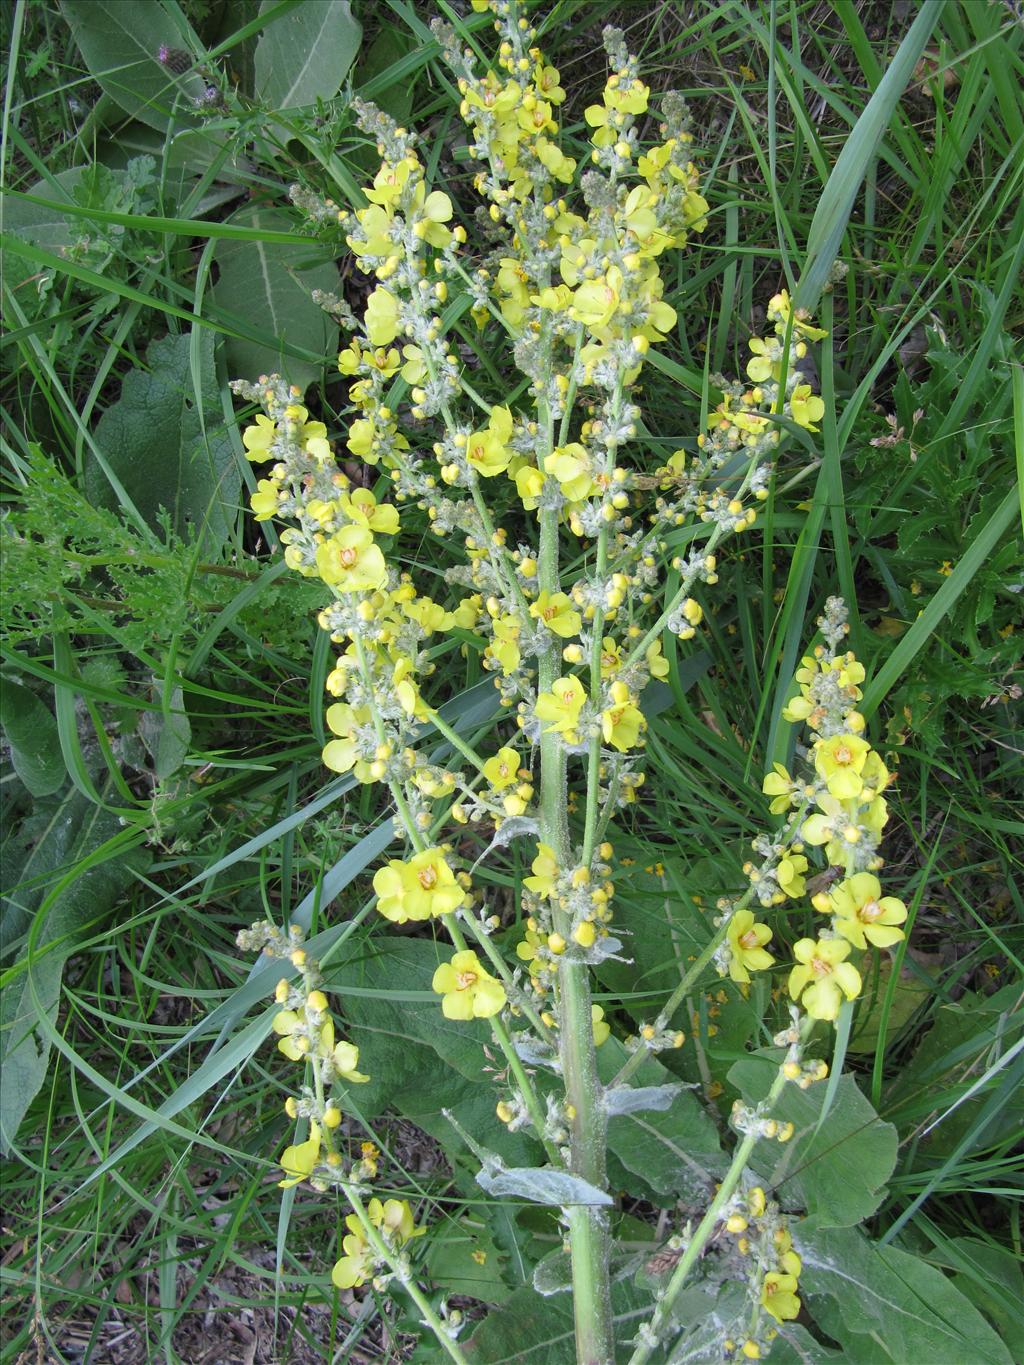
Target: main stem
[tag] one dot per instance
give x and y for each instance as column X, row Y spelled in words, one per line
column 589, row 1240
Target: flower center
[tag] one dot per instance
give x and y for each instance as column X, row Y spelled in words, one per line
column 427, row 878
column 843, row 754
column 870, row 910
column 749, row 939
column 463, row 980
column 820, row 967
column 348, row 556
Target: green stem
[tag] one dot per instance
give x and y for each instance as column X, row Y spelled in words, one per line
column 455, row 739
column 662, row 1315
column 504, row 1041
column 589, row 1241
column 412, row 1288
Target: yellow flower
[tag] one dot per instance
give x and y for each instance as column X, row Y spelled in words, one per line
column 527, row 950
column 488, row 451
column 778, row 1296
column 264, row 501
column 780, row 785
column 505, row 645
column 790, row 874
column 357, row 1265
column 432, row 213
column 805, row 407
column 602, row 1030
column 863, row 915
column 823, row 976
column 390, row 181
column 376, row 223
column 556, row 611
column 562, row 706
column 469, row 991
column 657, row 664
column 351, row 562
column 362, row 508
column 596, row 301
column 341, row 755
column 297, row 1162
column 418, row 889
column 840, row 761
column 298, row 1037
column 747, row 940
column 622, row 722
column 570, row 465
column 502, row 769
column 779, row 309
column 545, row 872
column 395, row 1221
column 346, row 1061
column 546, row 79
column 381, row 317
column 257, row 439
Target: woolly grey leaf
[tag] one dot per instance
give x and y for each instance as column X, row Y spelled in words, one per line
column 541, row 1186
column 626, row 1099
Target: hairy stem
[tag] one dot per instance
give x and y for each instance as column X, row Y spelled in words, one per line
column 589, row 1241
column 662, row 1315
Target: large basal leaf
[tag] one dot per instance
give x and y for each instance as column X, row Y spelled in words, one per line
column 838, row 1172
column 420, row 1063
column 76, row 830
column 462, row 1258
column 261, row 284
column 31, row 732
column 44, row 225
column 963, row 1041
column 531, row 1330
column 120, row 41
column 665, row 1155
column 154, row 439
column 883, row 1304
column 305, row 54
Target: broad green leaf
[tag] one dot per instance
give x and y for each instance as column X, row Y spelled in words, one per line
column 883, row 1295
column 911, row 991
column 120, row 40
column 167, row 735
column 167, row 452
column 462, row 1258
column 260, row 284
column 531, row 1330
column 992, row 1278
column 965, row 1039
column 44, row 225
column 305, row 54
column 838, row 1172
column 34, row 991
column 31, row 732
column 673, row 1153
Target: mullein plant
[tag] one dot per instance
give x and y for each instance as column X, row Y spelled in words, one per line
column 573, row 296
